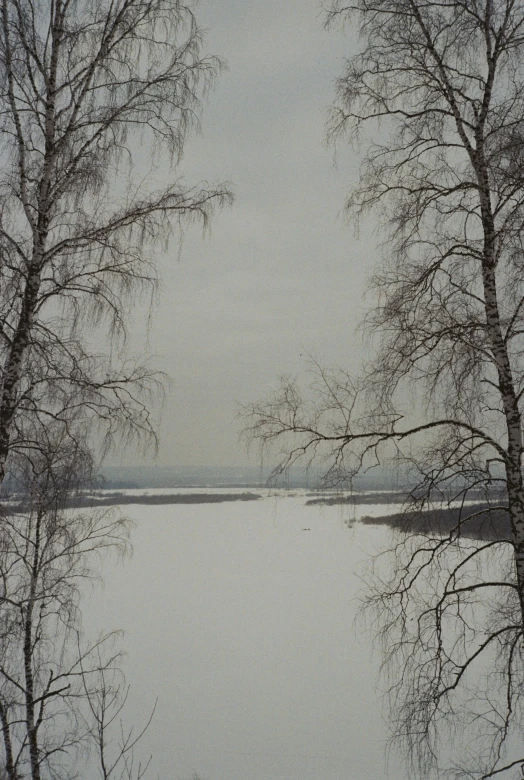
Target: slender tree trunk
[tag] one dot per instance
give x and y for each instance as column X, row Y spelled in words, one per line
column 31, row 723
column 506, row 383
column 8, row 745
column 513, row 427
column 12, row 372
column 31, row 727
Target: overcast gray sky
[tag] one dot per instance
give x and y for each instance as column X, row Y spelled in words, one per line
column 280, row 274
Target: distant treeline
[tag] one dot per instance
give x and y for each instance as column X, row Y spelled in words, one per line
column 476, row 521
column 118, row 499
column 12, row 504
column 354, row 499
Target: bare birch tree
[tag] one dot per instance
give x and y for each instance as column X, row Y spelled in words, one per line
column 61, row 697
column 89, row 91
column 441, row 85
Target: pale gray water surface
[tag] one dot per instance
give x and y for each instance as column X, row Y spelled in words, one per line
column 242, row 624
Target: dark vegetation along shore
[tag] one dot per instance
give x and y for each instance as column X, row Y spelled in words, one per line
column 118, row 499
column 356, row 499
column 476, row 521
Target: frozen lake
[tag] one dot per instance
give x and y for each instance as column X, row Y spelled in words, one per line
column 242, row 623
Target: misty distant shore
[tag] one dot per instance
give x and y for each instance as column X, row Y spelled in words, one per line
column 117, row 478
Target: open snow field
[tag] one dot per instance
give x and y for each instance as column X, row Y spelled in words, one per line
column 242, row 623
